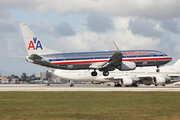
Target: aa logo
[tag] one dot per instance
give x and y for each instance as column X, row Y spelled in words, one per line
column 35, row 44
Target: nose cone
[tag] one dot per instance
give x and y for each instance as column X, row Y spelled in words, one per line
column 57, row 73
column 170, row 58
column 62, row 74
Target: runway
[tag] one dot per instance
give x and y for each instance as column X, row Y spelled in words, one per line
column 60, row 87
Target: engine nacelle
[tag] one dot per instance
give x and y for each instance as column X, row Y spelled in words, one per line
column 127, row 66
column 126, row 81
column 159, row 80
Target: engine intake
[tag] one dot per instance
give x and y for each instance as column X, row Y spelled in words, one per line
column 127, row 66
column 159, row 80
column 126, row 81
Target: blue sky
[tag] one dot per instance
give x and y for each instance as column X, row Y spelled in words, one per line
column 72, row 26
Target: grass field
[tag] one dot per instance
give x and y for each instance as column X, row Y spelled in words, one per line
column 89, row 105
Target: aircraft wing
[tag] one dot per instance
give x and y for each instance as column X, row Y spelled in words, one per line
column 173, row 75
column 116, row 58
column 138, row 77
column 168, row 76
column 120, row 77
column 146, row 79
column 113, row 62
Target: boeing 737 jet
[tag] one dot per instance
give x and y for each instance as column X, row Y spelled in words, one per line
column 142, row 75
column 104, row 61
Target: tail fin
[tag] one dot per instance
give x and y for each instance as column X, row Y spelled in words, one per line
column 32, row 42
column 177, row 63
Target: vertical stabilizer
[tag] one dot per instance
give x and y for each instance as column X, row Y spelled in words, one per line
column 177, row 64
column 32, row 42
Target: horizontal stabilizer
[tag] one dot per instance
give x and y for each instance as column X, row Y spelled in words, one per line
column 34, row 57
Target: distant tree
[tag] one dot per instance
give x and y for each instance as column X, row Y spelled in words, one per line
column 24, row 77
column 33, row 77
column 14, row 76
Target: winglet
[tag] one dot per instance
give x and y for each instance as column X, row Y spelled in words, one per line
column 115, row 46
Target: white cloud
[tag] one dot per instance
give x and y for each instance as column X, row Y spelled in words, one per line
column 91, row 41
column 145, row 27
column 141, row 8
column 119, row 11
column 122, row 23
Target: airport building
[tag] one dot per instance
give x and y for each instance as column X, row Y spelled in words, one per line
column 8, row 80
column 45, row 77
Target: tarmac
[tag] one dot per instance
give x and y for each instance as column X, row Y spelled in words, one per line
column 83, row 87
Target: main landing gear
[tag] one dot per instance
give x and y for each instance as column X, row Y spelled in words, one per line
column 105, row 73
column 116, row 84
column 94, row 73
column 71, row 84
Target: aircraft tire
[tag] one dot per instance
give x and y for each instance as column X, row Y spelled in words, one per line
column 105, row 73
column 117, row 85
column 71, row 85
column 135, row 85
column 157, row 70
column 94, row 73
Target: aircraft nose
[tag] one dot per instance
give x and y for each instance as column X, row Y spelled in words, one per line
column 170, row 58
column 57, row 72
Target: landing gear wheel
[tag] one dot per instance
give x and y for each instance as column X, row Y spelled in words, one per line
column 105, row 73
column 94, row 73
column 135, row 85
column 158, row 70
column 117, row 85
column 155, row 84
column 71, row 85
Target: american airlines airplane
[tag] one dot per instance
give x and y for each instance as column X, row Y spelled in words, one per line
column 104, row 61
column 142, row 75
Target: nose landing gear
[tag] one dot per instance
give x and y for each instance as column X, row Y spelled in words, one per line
column 157, row 70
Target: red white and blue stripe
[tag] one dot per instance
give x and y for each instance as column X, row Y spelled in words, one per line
column 138, row 56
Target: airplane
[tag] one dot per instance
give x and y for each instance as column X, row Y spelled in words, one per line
column 141, row 75
column 104, row 61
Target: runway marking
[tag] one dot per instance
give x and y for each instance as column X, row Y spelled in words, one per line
column 31, row 89
column 43, row 88
column 40, row 89
column 163, row 90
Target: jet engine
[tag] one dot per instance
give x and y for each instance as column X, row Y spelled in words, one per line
column 127, row 66
column 159, row 80
column 126, row 81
